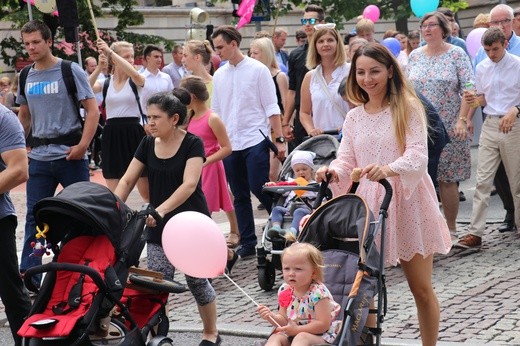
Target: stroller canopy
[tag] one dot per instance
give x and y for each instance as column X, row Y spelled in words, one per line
column 340, row 222
column 85, row 208
column 325, row 147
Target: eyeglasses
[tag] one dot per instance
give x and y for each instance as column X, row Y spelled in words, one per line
column 429, row 26
column 311, row 21
column 498, row 22
column 325, row 26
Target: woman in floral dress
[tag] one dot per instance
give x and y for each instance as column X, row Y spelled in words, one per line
column 440, row 71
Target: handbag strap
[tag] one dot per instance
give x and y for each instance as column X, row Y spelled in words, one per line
column 321, row 80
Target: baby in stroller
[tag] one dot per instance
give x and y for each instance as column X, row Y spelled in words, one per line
column 298, row 203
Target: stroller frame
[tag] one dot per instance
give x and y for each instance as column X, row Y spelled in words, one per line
column 329, row 230
column 325, row 147
column 80, row 212
column 367, row 245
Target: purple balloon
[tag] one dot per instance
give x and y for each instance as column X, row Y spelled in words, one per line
column 473, row 41
column 393, row 45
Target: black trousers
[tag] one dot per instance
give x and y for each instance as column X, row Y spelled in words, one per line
column 12, row 291
column 504, row 192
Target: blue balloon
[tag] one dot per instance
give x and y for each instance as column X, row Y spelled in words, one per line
column 421, row 7
column 393, row 45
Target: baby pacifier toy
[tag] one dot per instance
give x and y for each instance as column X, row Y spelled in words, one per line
column 41, row 248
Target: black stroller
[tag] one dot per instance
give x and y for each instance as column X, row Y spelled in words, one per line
column 345, row 230
column 325, row 146
column 84, row 298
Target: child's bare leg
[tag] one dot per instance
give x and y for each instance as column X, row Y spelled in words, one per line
column 307, row 339
column 278, row 339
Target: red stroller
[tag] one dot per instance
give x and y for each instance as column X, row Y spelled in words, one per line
column 84, row 300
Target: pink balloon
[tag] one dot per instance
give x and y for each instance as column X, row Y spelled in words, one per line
column 194, row 244
column 473, row 41
column 371, row 12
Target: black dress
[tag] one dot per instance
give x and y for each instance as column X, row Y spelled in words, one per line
column 166, row 175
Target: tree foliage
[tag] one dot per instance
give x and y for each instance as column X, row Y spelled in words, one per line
column 16, row 12
column 341, row 11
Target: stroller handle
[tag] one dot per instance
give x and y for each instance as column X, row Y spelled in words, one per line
column 388, row 195
column 148, row 209
column 384, row 205
column 54, row 267
column 322, row 193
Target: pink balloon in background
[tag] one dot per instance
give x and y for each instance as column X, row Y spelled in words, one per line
column 371, row 12
column 473, row 41
column 195, row 245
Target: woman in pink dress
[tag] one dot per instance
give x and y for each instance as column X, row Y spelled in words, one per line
column 210, row 128
column 386, row 137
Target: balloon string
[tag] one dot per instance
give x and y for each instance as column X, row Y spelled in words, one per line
column 248, row 296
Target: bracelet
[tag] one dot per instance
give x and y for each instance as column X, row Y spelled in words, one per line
column 463, row 119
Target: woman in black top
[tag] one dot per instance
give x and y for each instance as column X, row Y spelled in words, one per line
column 173, row 158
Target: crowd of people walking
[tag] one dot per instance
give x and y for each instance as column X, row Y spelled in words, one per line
column 198, row 135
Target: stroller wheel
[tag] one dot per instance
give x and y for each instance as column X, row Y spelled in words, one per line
column 160, row 341
column 116, row 334
column 266, row 276
column 157, row 284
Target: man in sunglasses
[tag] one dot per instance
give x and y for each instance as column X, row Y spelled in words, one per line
column 313, row 14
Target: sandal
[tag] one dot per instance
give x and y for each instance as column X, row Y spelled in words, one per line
column 232, row 240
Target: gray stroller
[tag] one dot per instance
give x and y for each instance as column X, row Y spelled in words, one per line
column 268, row 253
column 345, row 230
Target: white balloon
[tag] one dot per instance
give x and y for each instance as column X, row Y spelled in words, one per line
column 45, row 6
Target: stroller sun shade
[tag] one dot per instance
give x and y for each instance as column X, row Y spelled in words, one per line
column 84, row 208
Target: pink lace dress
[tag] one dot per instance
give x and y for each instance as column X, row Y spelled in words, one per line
column 414, row 225
column 214, row 182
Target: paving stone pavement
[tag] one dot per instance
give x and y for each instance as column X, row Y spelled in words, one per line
column 478, row 291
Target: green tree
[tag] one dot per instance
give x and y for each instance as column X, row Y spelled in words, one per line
column 16, row 12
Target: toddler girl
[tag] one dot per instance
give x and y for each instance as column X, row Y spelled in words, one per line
column 307, row 310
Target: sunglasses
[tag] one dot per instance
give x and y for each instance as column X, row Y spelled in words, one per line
column 310, row 21
column 325, row 26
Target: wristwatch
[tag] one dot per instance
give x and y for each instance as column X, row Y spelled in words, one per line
column 280, row 139
column 518, row 109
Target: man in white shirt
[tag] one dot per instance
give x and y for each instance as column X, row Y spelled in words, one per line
column 245, row 98
column 176, row 69
column 501, row 16
column 498, row 90
column 155, row 80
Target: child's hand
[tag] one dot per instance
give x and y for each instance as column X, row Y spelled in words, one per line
column 290, row 329
column 264, row 312
column 270, row 183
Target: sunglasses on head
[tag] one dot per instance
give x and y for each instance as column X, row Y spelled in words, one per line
column 325, row 26
column 310, row 21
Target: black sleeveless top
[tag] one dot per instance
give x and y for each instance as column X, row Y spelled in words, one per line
column 278, row 94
